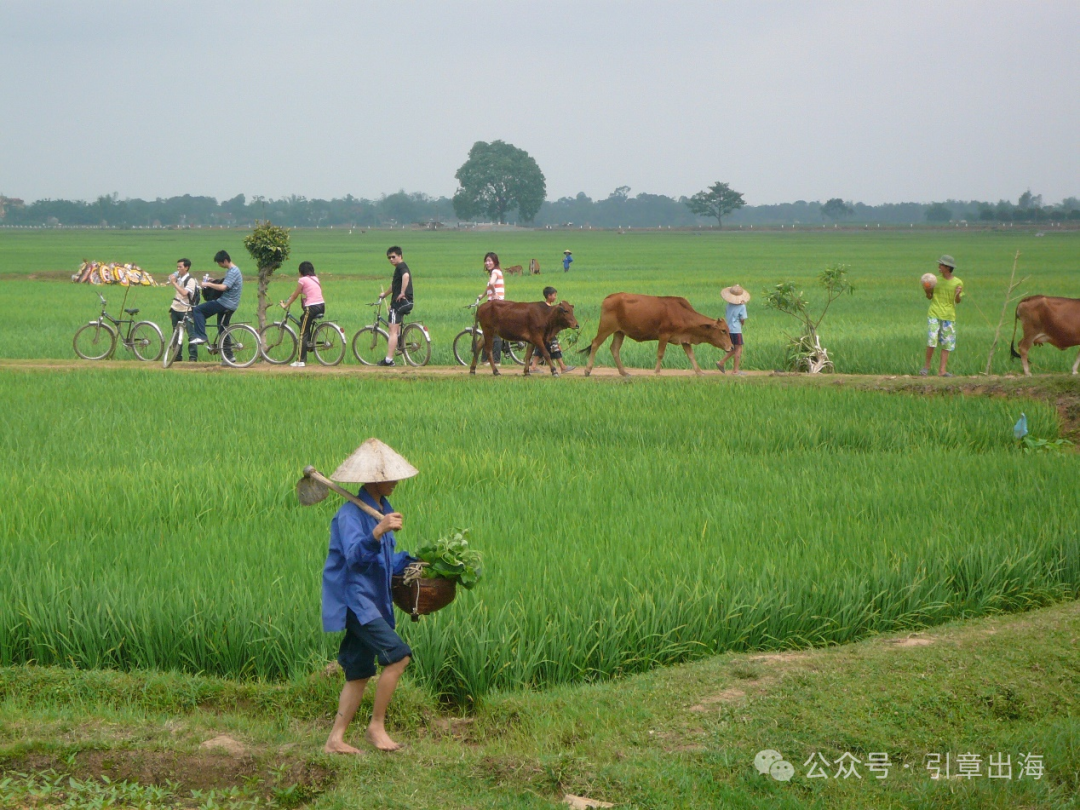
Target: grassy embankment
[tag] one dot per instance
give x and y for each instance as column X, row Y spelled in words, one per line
column 682, row 737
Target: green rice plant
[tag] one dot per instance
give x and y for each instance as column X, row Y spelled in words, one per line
column 151, row 523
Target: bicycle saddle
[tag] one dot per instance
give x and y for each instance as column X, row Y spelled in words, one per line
column 132, row 311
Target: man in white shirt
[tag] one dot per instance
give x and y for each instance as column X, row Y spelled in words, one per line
column 185, row 287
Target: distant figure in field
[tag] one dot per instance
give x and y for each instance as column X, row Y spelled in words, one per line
column 737, row 298
column 401, row 301
column 310, row 289
column 567, row 258
column 943, row 295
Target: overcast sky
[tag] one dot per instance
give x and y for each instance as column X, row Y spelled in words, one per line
column 869, row 101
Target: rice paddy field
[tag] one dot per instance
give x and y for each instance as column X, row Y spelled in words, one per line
column 878, row 330
column 150, row 521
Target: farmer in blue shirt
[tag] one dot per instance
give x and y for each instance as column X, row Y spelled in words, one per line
column 224, row 306
column 567, row 258
column 356, row 591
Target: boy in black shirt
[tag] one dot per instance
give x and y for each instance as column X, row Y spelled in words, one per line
column 401, row 301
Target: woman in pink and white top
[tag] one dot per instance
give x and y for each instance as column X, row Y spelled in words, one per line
column 496, row 291
column 310, row 290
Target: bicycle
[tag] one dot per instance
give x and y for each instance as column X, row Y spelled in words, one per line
column 97, row 339
column 369, row 344
column 472, row 338
column 280, row 341
column 238, row 343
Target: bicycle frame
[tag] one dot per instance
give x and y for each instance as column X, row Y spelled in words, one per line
column 123, row 336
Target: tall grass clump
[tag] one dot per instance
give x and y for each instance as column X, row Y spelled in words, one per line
column 150, row 520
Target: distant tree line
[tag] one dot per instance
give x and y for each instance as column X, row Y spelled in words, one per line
column 618, row 209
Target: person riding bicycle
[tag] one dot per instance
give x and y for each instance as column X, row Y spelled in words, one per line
column 181, row 304
column 224, row 307
column 310, row 289
column 401, row 301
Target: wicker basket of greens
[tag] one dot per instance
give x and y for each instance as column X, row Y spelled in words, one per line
column 431, row 584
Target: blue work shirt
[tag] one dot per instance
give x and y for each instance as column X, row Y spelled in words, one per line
column 735, row 315
column 358, row 567
column 230, row 299
column 566, row 261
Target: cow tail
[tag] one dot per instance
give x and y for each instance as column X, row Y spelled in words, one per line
column 1012, row 343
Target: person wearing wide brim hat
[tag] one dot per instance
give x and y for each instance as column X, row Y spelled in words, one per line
column 941, row 317
column 566, row 259
column 735, row 315
column 356, row 590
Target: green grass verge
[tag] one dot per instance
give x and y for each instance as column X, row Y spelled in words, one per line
column 684, row 736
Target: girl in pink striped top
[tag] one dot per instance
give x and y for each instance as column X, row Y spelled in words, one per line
column 310, row 289
column 496, row 291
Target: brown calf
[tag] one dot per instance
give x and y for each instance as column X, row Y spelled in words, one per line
column 537, row 324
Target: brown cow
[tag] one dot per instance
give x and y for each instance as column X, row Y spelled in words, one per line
column 1047, row 320
column 514, row 271
column 537, row 324
column 668, row 319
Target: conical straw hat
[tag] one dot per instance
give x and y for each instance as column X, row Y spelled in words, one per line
column 372, row 462
column 735, row 294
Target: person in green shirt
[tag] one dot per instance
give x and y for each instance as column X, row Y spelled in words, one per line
column 941, row 319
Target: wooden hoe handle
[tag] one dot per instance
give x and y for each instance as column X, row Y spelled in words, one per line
column 311, row 472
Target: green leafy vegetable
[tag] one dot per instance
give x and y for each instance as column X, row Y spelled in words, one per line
column 451, row 558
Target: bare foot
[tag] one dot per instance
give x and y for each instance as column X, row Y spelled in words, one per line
column 381, row 740
column 335, row 747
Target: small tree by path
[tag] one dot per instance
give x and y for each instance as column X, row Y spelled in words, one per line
column 268, row 245
column 805, row 352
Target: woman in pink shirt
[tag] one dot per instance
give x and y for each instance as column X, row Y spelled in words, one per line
column 309, row 288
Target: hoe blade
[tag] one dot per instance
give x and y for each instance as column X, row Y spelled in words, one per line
column 310, row 491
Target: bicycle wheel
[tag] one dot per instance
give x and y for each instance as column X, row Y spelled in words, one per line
column 369, row 345
column 278, row 343
column 240, row 345
column 94, row 341
column 463, row 345
column 146, row 341
column 516, row 349
column 329, row 344
column 415, row 345
column 174, row 346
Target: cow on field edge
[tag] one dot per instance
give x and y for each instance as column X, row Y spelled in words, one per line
column 535, row 323
column 667, row 319
column 1047, row 320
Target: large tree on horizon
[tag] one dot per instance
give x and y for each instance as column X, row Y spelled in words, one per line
column 497, row 178
column 718, row 200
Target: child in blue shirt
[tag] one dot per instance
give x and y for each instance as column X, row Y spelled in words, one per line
column 737, row 299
